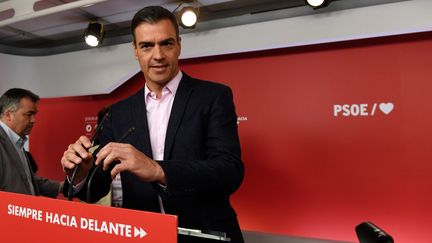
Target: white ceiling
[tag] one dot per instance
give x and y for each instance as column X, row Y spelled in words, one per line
column 77, row 71
column 46, row 27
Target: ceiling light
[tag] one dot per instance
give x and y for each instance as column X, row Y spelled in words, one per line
column 94, row 34
column 188, row 15
column 318, row 3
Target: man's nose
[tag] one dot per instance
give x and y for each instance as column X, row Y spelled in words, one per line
column 158, row 53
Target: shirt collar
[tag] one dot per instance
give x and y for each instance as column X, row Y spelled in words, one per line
column 15, row 138
column 171, row 86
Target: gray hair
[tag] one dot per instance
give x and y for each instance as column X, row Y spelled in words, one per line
column 11, row 99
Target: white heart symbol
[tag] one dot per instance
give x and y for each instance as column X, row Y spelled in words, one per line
column 386, row 108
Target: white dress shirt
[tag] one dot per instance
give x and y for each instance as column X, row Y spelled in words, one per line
column 158, row 113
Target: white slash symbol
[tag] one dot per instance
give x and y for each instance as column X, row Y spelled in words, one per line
column 139, row 232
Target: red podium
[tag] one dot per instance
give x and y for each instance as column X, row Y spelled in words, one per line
column 38, row 219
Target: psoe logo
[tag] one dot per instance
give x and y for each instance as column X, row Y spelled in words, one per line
column 90, row 122
column 355, row 110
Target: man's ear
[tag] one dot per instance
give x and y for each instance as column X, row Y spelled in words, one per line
column 7, row 115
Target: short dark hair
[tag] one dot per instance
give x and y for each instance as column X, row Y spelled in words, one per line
column 11, row 99
column 152, row 15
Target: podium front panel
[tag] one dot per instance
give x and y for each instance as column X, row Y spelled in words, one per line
column 37, row 219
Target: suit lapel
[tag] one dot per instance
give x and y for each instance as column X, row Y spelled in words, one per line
column 139, row 113
column 179, row 106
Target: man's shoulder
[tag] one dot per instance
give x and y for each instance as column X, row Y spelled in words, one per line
column 4, row 143
column 137, row 97
column 3, row 135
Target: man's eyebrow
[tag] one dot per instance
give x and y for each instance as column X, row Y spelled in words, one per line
column 171, row 39
column 145, row 43
column 167, row 40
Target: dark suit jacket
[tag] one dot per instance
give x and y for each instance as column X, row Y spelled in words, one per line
column 202, row 159
column 12, row 173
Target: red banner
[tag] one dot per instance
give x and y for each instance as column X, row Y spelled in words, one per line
column 36, row 219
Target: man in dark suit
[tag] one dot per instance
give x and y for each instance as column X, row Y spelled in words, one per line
column 180, row 151
column 18, row 108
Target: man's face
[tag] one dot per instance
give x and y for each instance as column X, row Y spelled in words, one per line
column 22, row 120
column 157, row 50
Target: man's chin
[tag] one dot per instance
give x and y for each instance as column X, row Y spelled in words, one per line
column 27, row 132
column 160, row 78
column 160, row 81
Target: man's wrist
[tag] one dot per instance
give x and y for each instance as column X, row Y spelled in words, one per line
column 160, row 175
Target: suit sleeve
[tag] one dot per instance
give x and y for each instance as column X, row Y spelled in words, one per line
column 47, row 188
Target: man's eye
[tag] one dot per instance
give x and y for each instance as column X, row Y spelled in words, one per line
column 145, row 46
column 168, row 43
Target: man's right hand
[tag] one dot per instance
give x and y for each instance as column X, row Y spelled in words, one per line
column 77, row 154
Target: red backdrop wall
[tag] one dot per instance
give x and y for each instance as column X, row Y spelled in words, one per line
column 311, row 170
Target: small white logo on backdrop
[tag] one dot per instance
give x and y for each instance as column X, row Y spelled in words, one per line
column 90, row 123
column 241, row 119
